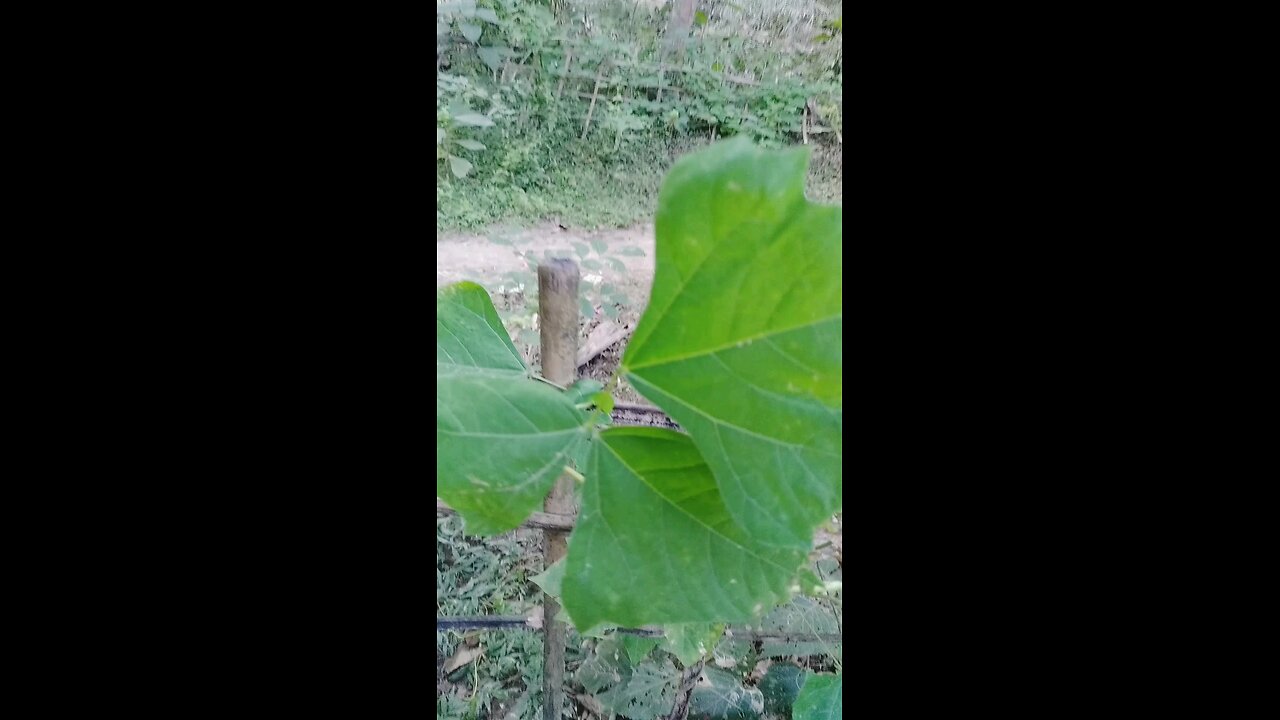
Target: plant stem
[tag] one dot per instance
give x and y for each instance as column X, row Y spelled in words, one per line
column 539, row 378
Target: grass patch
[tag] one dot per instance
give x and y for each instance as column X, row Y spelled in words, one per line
column 590, row 191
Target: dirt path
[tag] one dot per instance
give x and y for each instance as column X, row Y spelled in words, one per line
column 490, row 256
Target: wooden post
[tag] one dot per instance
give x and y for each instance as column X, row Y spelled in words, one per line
column 568, row 64
column 594, row 94
column 558, row 318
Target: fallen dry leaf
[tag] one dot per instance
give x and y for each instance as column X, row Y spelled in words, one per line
column 463, row 656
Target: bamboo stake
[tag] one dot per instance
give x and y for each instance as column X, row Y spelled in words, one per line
column 558, row 317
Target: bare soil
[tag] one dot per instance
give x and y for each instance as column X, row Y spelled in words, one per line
column 486, row 256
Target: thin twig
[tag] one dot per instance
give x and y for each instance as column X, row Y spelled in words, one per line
column 689, row 680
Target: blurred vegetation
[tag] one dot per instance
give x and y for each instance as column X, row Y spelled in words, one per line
column 575, row 110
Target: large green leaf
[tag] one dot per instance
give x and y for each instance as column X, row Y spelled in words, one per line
column 646, row 694
column 821, row 698
column 654, row 542
column 469, row 332
column 741, row 341
column 722, row 696
column 502, row 438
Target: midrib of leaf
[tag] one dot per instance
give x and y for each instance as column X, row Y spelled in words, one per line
column 687, row 514
column 461, row 344
column 517, row 411
column 815, row 261
column 534, row 476
column 726, row 423
column 733, row 344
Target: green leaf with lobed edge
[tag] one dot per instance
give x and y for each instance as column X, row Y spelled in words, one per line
column 502, row 438
column 720, row 695
column 821, row 698
column 741, row 341
column 646, row 694
column 654, row 542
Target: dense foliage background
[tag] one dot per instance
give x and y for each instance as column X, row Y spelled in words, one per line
column 575, row 110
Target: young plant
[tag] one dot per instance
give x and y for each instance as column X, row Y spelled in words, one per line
column 448, row 137
column 740, row 344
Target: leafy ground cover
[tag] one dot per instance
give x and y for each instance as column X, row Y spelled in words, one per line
column 497, row 674
column 575, row 110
